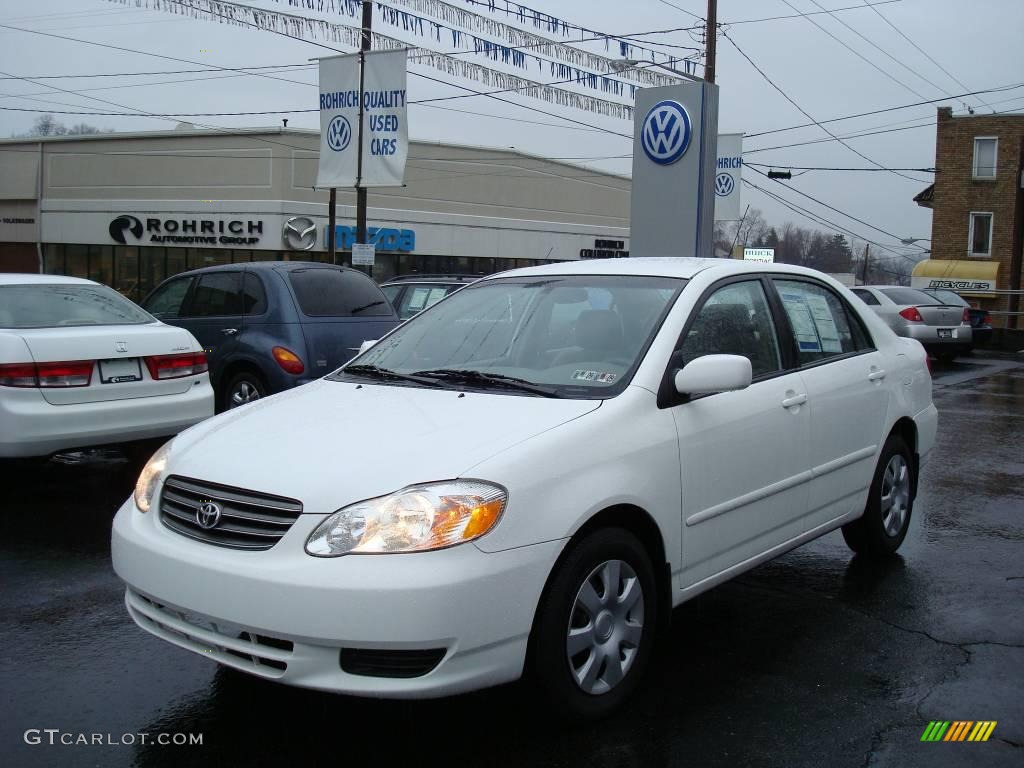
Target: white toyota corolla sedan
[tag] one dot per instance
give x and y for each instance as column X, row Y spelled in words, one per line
column 80, row 365
column 528, row 476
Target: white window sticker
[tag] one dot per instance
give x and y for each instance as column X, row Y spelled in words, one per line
column 802, row 320
column 824, row 323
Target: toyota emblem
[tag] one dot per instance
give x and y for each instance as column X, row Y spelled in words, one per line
column 299, row 233
column 208, row 514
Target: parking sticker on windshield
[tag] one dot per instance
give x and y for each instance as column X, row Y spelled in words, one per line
column 598, row 376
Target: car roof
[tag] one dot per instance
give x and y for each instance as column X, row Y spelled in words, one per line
column 285, row 266
column 16, row 278
column 415, row 278
column 655, row 266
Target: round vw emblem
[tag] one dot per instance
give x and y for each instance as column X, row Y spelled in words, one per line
column 208, row 514
column 724, row 184
column 339, row 133
column 299, row 233
column 665, row 133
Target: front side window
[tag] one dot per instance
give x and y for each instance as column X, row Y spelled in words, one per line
column 981, row 234
column 985, row 157
column 165, row 302
column 569, row 336
column 735, row 320
column 821, row 323
column 56, row 305
column 217, row 294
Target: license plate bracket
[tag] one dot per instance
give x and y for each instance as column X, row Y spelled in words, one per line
column 945, row 333
column 120, row 371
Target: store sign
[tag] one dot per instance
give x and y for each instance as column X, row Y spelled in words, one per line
column 363, row 254
column 385, row 128
column 727, row 177
column 127, row 229
column 605, row 249
column 953, row 284
column 299, row 233
column 383, row 238
column 766, row 255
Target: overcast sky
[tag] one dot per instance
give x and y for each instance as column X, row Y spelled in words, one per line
column 979, row 43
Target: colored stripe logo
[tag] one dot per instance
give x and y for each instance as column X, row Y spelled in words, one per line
column 958, row 730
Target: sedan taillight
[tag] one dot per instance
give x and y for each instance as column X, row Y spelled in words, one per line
column 987, row 319
column 176, row 366
column 911, row 314
column 967, row 316
column 77, row 373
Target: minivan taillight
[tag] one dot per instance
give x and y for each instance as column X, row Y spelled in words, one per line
column 911, row 314
column 176, row 366
column 288, row 360
column 77, row 373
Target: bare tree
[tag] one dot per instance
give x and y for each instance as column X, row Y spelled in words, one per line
column 48, row 125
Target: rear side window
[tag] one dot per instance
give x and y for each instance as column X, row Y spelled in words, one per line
column 217, row 294
column 165, row 302
column 50, row 306
column 820, row 321
column 867, row 297
column 335, row 293
column 254, row 298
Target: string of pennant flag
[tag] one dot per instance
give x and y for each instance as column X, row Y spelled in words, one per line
column 318, row 30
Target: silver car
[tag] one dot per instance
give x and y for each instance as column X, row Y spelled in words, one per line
column 945, row 331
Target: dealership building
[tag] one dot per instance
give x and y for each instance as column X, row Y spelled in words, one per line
column 129, row 209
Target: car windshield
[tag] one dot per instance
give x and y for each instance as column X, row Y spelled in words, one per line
column 570, row 336
column 42, row 305
column 948, row 297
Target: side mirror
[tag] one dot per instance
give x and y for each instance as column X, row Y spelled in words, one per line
column 713, row 373
column 366, row 345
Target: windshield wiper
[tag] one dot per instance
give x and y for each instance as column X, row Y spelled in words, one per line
column 357, row 310
column 385, row 374
column 480, row 378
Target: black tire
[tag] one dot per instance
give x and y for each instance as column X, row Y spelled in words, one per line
column 243, row 387
column 549, row 665
column 877, row 533
column 948, row 356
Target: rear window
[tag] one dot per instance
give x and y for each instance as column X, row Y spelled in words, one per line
column 51, row 306
column 336, row 293
column 909, row 296
column 949, row 297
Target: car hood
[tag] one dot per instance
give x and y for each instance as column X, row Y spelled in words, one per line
column 333, row 443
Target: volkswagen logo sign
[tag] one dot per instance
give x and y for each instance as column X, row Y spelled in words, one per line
column 665, row 133
column 724, row 184
column 299, row 233
column 208, row 514
column 339, row 133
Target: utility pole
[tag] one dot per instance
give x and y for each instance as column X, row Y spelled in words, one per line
column 710, row 41
column 364, row 45
column 864, row 266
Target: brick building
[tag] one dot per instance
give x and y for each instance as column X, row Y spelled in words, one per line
column 978, row 211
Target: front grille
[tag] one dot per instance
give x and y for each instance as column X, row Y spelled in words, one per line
column 248, row 520
column 372, row 662
column 260, row 654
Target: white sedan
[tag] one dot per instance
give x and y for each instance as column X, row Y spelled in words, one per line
column 80, row 365
column 530, row 474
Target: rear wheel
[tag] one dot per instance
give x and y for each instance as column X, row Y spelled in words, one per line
column 595, row 626
column 244, row 387
column 882, row 528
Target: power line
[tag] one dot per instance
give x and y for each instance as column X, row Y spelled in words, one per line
column 809, row 13
column 805, row 113
column 679, row 8
column 806, row 168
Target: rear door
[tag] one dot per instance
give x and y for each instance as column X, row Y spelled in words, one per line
column 214, row 315
column 339, row 310
column 846, row 380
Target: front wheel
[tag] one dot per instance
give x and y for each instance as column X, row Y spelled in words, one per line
column 595, row 626
column 886, row 517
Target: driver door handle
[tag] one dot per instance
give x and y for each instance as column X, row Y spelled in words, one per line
column 789, row 402
column 229, row 331
column 876, row 375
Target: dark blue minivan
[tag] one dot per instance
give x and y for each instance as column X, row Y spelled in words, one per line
column 271, row 325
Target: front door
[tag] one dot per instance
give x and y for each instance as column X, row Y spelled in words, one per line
column 743, row 454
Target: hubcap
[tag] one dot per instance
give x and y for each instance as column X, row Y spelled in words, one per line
column 244, row 392
column 605, row 627
column 895, row 495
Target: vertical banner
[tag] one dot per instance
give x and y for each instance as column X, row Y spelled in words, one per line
column 727, row 177
column 675, row 138
column 385, row 129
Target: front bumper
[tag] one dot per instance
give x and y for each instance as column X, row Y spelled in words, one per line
column 31, row 426
column 284, row 615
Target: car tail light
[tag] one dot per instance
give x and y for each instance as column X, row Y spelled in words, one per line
column 911, row 314
column 928, row 362
column 967, row 316
column 176, row 366
column 77, row 373
column 18, row 375
column 987, row 319
column 288, row 360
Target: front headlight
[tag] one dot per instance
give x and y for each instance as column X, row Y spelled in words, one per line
column 149, row 479
column 414, row 519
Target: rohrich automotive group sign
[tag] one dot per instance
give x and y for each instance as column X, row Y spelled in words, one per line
column 185, row 231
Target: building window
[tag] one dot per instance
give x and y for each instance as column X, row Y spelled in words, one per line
column 985, row 157
column 980, row 236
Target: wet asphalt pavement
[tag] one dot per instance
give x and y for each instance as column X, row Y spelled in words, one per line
column 815, row 659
